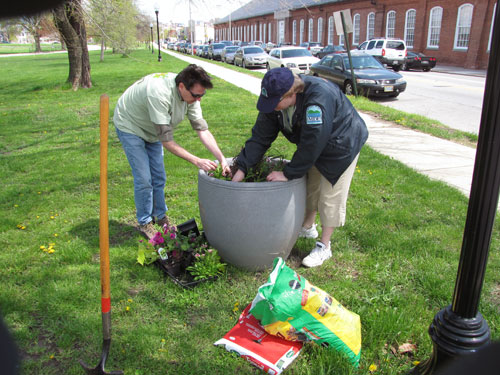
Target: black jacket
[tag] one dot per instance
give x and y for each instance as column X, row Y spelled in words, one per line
column 329, row 138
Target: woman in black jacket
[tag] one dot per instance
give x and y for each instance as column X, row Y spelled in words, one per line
column 316, row 116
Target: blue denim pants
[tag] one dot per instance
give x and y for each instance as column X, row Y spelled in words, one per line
column 148, row 170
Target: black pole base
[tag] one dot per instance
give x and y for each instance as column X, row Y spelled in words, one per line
column 453, row 336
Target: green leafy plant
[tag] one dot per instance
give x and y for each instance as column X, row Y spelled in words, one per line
column 207, row 264
column 258, row 173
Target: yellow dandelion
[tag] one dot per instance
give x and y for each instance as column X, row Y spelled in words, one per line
column 16, row 205
column 51, row 356
column 38, row 217
column 51, row 251
column 162, row 340
column 39, row 192
column 42, row 247
column 55, row 235
column 416, row 363
column 127, row 308
column 372, row 368
column 130, row 300
column 52, row 218
column 52, row 244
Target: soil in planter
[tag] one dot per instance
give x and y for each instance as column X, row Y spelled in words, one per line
column 258, row 173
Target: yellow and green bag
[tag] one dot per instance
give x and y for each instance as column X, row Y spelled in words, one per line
column 290, row 307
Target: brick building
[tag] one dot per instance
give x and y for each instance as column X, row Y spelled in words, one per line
column 455, row 32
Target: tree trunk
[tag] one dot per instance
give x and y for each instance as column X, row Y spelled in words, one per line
column 38, row 48
column 69, row 21
column 102, row 47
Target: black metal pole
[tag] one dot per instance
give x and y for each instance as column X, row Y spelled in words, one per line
column 460, row 329
column 158, row 31
column 152, row 48
column 346, row 41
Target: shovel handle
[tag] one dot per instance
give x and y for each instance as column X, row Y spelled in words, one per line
column 103, row 217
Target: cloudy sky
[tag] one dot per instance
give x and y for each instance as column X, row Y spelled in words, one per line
column 202, row 10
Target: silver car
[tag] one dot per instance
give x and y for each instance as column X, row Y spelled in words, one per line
column 227, row 54
column 250, row 56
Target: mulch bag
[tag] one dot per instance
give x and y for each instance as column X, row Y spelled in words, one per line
column 290, row 307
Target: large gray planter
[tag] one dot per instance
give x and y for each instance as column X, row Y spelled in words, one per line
column 251, row 223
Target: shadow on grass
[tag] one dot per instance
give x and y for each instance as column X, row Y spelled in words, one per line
column 119, row 232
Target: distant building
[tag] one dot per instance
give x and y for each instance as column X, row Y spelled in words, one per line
column 455, row 32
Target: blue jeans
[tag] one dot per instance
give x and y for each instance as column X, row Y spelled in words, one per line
column 148, row 170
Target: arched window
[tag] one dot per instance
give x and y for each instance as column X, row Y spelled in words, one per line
column 320, row 30
column 462, row 31
column 294, row 32
column 434, row 32
column 391, row 24
column 491, row 27
column 301, row 35
column 310, row 31
column 355, row 28
column 330, row 30
column 411, row 14
column 370, row 26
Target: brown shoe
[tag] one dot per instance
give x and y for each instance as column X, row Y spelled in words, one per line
column 148, row 230
column 164, row 220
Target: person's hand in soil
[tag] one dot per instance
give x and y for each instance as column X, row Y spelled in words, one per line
column 226, row 169
column 238, row 176
column 276, row 176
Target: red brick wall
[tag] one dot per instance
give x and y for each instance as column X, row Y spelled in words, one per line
column 476, row 56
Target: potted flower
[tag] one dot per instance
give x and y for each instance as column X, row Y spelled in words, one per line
column 186, row 258
column 251, row 223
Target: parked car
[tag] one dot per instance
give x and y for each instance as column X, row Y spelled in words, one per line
column 417, row 60
column 297, row 59
column 214, row 50
column 329, row 49
column 314, row 47
column 226, row 42
column 391, row 52
column 250, row 56
column 372, row 79
column 199, row 50
column 205, row 51
column 227, row 54
column 269, row 46
column 180, row 46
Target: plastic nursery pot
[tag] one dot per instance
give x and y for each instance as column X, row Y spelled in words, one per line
column 251, row 223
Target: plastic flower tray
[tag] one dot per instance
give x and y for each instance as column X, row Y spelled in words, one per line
column 184, row 279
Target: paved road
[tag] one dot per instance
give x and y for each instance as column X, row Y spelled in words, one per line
column 454, row 100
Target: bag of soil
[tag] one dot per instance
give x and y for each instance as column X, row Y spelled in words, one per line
column 290, row 307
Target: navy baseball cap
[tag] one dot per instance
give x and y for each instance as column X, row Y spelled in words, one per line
column 275, row 84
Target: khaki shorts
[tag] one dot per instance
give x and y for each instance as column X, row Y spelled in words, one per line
column 330, row 201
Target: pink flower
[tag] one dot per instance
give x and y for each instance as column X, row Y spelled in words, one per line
column 197, row 255
column 172, row 235
column 157, row 239
column 210, row 250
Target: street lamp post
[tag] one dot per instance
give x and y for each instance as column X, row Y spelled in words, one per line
column 152, row 48
column 157, row 10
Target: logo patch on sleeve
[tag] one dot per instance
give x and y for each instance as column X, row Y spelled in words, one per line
column 314, row 115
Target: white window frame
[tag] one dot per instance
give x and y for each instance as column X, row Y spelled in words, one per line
column 491, row 28
column 330, row 30
column 301, row 32
column 390, row 25
column 294, row 32
column 320, row 30
column 434, row 32
column 370, row 26
column 356, row 21
column 464, row 23
column 281, row 31
column 310, row 30
column 411, row 16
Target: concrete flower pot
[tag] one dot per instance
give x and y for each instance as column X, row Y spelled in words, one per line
column 251, row 223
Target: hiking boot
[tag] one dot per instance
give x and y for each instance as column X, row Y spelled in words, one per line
column 164, row 220
column 318, row 255
column 148, row 230
column 308, row 232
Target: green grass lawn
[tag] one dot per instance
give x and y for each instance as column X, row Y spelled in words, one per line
column 394, row 263
column 27, row 48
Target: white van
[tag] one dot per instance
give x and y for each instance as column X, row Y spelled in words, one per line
column 390, row 52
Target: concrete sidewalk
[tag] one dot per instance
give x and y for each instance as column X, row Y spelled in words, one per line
column 434, row 157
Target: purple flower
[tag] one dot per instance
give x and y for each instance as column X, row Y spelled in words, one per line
column 157, row 239
column 172, row 235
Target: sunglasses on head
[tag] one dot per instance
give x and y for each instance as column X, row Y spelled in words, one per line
column 196, row 96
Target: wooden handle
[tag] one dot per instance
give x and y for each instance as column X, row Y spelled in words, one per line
column 103, row 218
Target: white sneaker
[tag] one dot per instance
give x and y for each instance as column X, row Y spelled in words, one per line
column 318, row 255
column 308, row 232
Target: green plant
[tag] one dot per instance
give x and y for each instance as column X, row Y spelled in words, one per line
column 258, row 173
column 207, row 264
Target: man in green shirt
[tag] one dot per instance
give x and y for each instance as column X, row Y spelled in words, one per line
column 145, row 118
